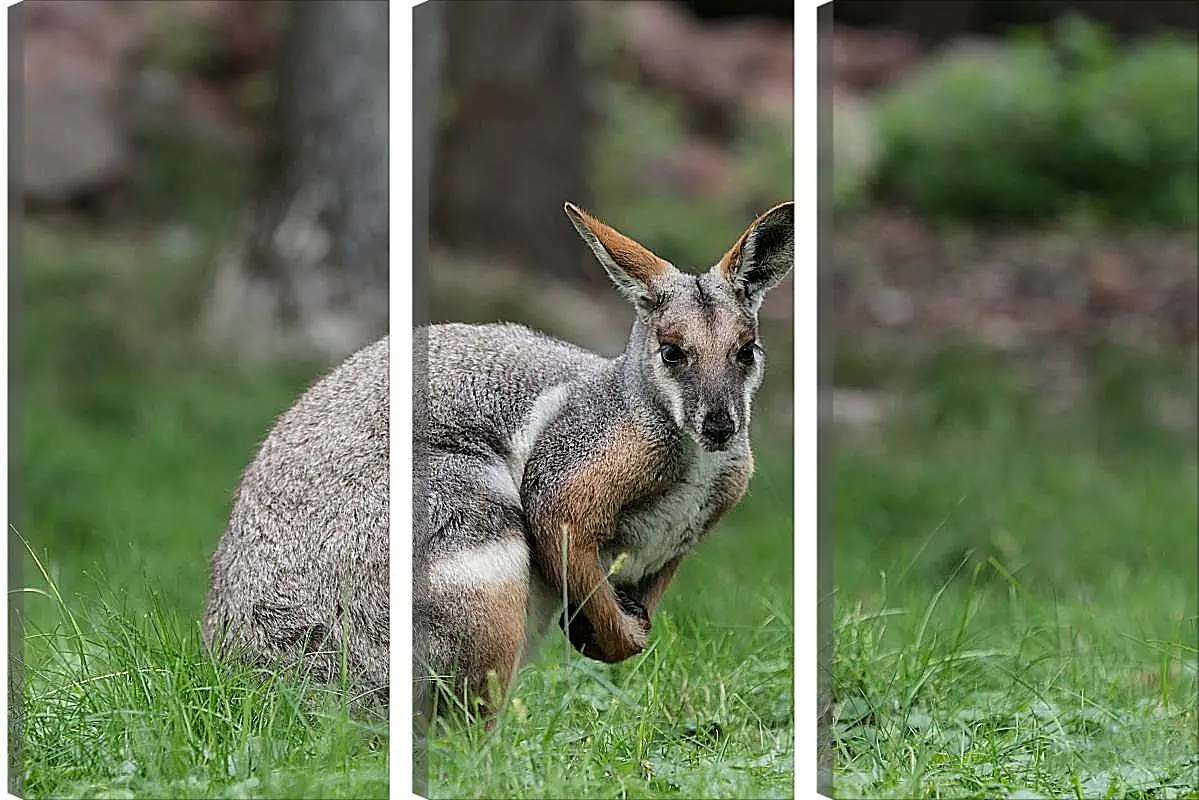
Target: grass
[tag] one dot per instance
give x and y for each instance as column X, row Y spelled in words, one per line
column 1016, row 591
column 706, row 711
column 132, row 440
column 124, row 702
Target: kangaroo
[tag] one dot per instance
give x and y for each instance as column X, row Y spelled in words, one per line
column 300, row 573
column 554, row 483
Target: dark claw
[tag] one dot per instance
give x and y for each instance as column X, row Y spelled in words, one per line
column 632, row 606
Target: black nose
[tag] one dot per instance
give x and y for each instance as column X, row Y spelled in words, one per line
column 718, row 426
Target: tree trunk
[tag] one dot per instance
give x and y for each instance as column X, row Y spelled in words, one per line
column 513, row 148
column 311, row 276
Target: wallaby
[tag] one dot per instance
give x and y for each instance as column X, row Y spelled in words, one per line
column 301, row 571
column 553, row 483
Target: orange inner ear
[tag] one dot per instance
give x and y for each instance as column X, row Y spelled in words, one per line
column 630, row 256
column 732, row 258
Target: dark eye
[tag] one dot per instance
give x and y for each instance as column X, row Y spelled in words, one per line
column 672, row 354
column 748, row 353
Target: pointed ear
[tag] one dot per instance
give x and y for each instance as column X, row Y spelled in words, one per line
column 632, row 267
column 762, row 256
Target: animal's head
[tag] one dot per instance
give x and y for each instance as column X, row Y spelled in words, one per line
column 695, row 339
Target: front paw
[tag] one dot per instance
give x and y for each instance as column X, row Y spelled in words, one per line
column 583, row 638
column 630, row 642
column 582, row 635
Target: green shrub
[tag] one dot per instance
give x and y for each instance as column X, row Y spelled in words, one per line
column 1040, row 128
column 1133, row 131
column 969, row 136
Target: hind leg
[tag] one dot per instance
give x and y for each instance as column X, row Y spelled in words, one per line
column 474, row 624
column 472, row 582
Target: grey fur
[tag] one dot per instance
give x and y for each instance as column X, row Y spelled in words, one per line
column 483, row 468
column 504, row 417
column 301, row 571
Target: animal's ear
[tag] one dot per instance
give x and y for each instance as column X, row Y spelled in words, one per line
column 762, row 256
column 632, row 267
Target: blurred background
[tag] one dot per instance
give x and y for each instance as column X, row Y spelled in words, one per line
column 204, row 231
column 1015, row 211
column 1015, row 318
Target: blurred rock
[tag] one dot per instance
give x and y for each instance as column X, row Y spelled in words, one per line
column 74, row 57
column 95, row 69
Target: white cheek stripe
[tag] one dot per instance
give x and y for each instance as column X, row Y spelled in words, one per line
column 675, row 397
column 491, row 564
